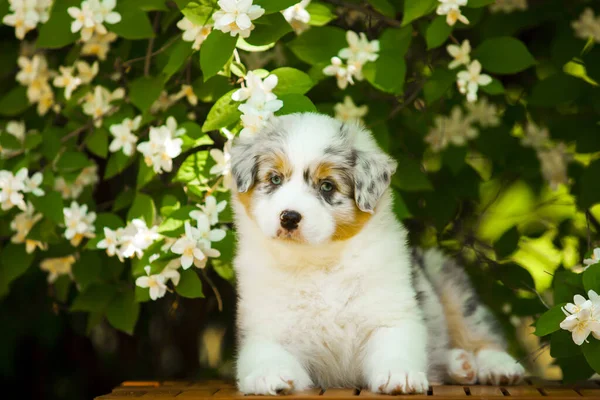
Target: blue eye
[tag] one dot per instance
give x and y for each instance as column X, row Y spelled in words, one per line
column 326, row 186
column 276, row 180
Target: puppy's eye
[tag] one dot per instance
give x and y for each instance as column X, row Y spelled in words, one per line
column 276, row 180
column 327, row 186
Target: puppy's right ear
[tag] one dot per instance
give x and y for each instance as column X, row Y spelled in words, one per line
column 244, row 162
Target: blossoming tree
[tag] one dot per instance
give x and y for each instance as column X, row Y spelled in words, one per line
column 117, row 118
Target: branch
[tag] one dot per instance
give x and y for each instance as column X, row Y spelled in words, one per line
column 366, row 9
column 411, row 97
column 163, row 48
column 151, row 45
column 214, row 289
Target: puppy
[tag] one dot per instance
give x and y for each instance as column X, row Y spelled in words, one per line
column 329, row 293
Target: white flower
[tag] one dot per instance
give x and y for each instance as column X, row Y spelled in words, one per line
column 508, row 6
column 171, row 125
column 222, row 165
column 582, row 318
column 554, row 165
column 124, row 139
column 160, row 150
column 97, row 105
column 156, row 283
column 194, row 33
column 206, row 235
column 252, row 123
column 32, row 184
column 31, row 69
column 17, row 129
column 210, row 209
column 26, row 14
column 86, row 72
column 22, row 224
column 536, row 137
column 98, row 45
column 255, row 85
column 135, row 238
column 470, row 80
column 594, row 259
column 163, row 102
column 360, row 50
column 187, row 91
column 483, row 113
column 297, row 16
column 170, row 272
column 67, row 190
column 190, row 249
column 261, row 104
column 461, row 54
column 106, row 8
column 236, row 16
column 88, row 176
column 11, row 188
column 67, row 80
column 451, row 9
column 57, row 267
column 343, row 73
column 348, row 111
column 110, row 242
column 79, row 223
column 455, row 129
column 587, row 26
column 90, row 17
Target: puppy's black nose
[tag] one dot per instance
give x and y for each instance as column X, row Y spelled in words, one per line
column 290, row 219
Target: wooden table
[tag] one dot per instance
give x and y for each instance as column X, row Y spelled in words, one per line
column 532, row 389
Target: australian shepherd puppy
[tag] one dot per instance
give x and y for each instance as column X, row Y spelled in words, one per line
column 330, row 295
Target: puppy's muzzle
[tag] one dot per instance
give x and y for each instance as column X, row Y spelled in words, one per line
column 290, row 219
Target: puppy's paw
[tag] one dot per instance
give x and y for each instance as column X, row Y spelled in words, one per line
column 462, row 367
column 274, row 381
column 498, row 368
column 399, row 382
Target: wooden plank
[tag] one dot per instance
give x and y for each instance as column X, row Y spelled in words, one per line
column 228, row 393
column 126, row 392
column 140, row 384
column 340, row 393
column 485, row 391
column 522, row 391
column 196, row 394
column 559, row 392
column 448, row 391
column 590, row 393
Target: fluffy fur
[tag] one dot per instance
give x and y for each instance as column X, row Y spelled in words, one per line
column 340, row 300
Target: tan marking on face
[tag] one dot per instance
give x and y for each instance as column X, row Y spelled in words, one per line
column 274, row 163
column 461, row 337
column 246, row 200
column 347, row 228
column 336, row 174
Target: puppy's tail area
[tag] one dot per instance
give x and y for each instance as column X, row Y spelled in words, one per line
column 471, row 325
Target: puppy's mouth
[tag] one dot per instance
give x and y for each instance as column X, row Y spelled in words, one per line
column 292, row 236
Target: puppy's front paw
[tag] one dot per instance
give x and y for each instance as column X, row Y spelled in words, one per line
column 274, row 381
column 462, row 367
column 399, row 382
column 498, row 368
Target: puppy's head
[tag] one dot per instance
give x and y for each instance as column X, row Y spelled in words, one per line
column 309, row 178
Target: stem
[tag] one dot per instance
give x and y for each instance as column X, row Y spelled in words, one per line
column 214, row 289
column 163, row 48
column 151, row 45
column 365, row 9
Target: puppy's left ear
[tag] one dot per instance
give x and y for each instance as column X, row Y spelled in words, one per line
column 372, row 172
column 244, row 162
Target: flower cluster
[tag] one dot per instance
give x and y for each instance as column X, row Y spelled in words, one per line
column 348, row 111
column 297, row 16
column 469, row 80
column 90, row 17
column 124, row 139
column 157, row 283
column 587, row 26
column 553, row 157
column 98, row 104
column 583, row 317
column 451, row 9
column 34, row 74
column 130, row 241
column 193, row 32
column 260, row 102
column 235, row 17
column 164, row 145
column 594, row 259
column 222, row 160
column 79, row 223
column 359, row 52
column 22, row 224
column 72, row 190
column 57, row 267
column 17, row 130
column 508, row 6
column 14, row 186
column 66, row 79
column 26, row 15
column 458, row 128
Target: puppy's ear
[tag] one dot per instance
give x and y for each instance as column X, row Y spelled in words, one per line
column 244, row 162
column 372, row 172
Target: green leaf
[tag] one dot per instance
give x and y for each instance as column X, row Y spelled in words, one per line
column 400, row 208
column 117, row 163
column 272, row 6
column 320, row 14
column 189, row 284
column 384, row 7
column 318, row 45
column 216, row 50
column 550, row 321
column 507, row 244
column 562, row 345
column 291, row 80
column 180, row 52
column 395, row 41
column 123, row 200
column 8, row 141
column 504, row 55
column 145, row 175
column 223, row 113
column 494, row 88
column 514, row 276
column 193, row 169
column 591, row 278
column 575, row 369
column 479, row 3
column 269, row 29
column 61, row 288
column 386, row 73
column 437, row 32
column 557, row 89
column 438, row 84
column 87, row 269
column 97, row 142
column 213, row 89
column 14, row 102
column 14, row 261
column 566, row 284
column 142, row 295
column 199, row 12
column 591, row 351
column 409, row 176
column 72, row 161
column 142, row 207
column 56, row 32
column 414, row 9
column 33, row 140
column 295, row 103
column 123, row 311
column 50, row 205
column 95, row 298
column 589, row 186
column 151, row 5
column 144, row 91
column 134, row 22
